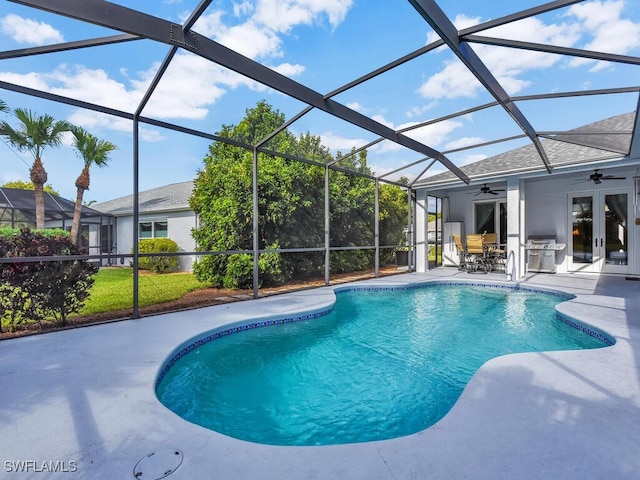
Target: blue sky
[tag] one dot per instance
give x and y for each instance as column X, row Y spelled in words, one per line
column 323, row 44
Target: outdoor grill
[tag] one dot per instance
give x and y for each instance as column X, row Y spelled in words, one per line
column 541, row 253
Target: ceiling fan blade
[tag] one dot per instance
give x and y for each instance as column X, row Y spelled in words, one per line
column 611, row 177
column 493, row 192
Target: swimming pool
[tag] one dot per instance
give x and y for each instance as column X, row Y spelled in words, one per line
column 383, row 363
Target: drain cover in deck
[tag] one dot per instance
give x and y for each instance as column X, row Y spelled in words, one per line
column 158, row 464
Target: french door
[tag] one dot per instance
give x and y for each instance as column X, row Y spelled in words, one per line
column 599, row 224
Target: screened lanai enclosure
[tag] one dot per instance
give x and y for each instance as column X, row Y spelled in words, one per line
column 17, row 209
column 376, row 98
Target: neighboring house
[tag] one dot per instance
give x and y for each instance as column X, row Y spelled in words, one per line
column 163, row 212
column 597, row 218
column 17, row 209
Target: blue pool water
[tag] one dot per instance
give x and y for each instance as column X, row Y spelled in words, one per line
column 382, row 364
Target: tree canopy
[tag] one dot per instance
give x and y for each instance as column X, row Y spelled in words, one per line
column 34, row 134
column 21, row 184
column 290, row 206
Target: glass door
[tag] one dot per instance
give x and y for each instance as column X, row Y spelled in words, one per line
column 491, row 217
column 434, row 231
column 600, row 237
column 581, row 245
column 614, row 241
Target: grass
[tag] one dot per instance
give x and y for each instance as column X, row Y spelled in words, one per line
column 113, row 289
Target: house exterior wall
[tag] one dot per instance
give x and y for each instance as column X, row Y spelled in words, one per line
column 547, row 209
column 542, row 208
column 179, row 225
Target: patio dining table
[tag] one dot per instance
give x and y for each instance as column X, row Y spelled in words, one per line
column 495, row 254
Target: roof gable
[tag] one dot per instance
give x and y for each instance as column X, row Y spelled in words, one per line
column 172, row 197
column 602, row 140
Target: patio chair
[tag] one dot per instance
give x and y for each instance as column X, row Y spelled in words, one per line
column 476, row 255
column 462, row 254
column 495, row 254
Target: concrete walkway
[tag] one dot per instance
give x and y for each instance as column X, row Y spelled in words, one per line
column 82, row 402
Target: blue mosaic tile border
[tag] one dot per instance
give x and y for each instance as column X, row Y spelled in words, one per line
column 592, row 332
column 362, row 288
column 214, row 335
column 267, row 323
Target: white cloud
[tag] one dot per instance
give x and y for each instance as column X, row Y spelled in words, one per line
column 610, row 32
column 431, row 135
column 191, row 84
column 26, row 31
column 436, row 134
column 289, row 70
column 600, row 20
column 461, row 22
column 334, row 142
column 356, row 106
column 259, row 34
column 453, row 81
column 243, row 8
column 187, row 88
column 282, row 15
column 90, row 85
column 251, row 40
column 30, row 80
column 416, row 111
column 463, row 142
column 385, row 122
column 93, row 121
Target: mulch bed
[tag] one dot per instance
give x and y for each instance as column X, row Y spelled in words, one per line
column 203, row 297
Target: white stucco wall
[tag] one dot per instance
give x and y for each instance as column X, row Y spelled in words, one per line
column 179, row 225
column 546, row 208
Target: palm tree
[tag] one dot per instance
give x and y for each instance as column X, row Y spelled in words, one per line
column 34, row 134
column 3, row 107
column 93, row 152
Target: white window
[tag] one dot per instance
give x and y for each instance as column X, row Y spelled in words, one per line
column 153, row 229
column 491, row 217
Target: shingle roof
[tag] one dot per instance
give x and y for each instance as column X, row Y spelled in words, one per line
column 602, row 146
column 172, row 197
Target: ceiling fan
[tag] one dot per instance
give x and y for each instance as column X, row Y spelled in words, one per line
column 597, row 177
column 487, row 190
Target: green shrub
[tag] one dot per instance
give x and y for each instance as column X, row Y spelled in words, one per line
column 239, row 272
column 270, row 268
column 210, row 270
column 236, row 271
column 157, row 264
column 46, row 232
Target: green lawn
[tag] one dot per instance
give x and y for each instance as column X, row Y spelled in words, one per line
column 113, row 289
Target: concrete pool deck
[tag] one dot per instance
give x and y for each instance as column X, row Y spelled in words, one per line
column 83, row 401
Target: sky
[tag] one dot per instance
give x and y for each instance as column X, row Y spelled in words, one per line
column 323, row 44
